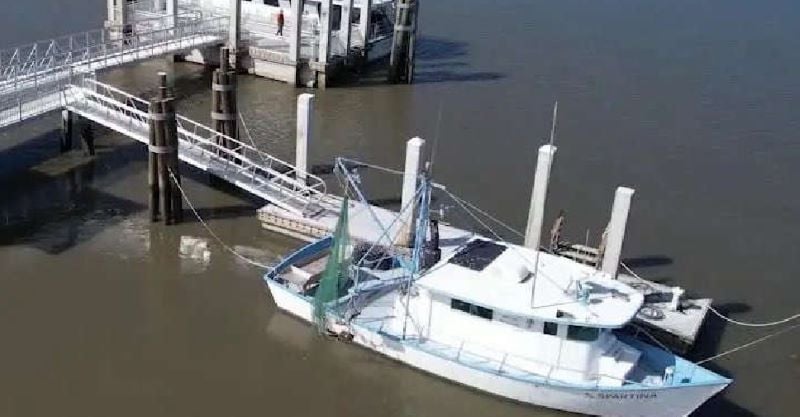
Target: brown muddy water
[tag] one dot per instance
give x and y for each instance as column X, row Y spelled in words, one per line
column 693, row 103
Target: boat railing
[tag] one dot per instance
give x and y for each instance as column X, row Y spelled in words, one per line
column 509, row 364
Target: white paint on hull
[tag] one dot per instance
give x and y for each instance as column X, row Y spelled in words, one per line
column 657, row 402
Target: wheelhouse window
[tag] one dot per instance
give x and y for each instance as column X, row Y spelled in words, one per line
column 550, row 328
column 470, row 308
column 582, row 333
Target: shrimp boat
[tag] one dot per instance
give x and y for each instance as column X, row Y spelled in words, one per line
column 509, row 320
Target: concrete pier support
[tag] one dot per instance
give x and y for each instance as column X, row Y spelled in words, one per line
column 117, row 18
column 295, row 38
column 235, row 35
column 365, row 25
column 326, row 23
column 305, row 112
column 616, row 230
column 408, row 205
column 346, row 28
column 400, row 61
column 172, row 11
column 324, row 53
column 66, row 130
column 365, row 22
column 87, row 137
column 533, row 232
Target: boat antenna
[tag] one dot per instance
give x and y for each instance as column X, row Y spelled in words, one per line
column 538, row 249
column 553, row 125
column 435, row 139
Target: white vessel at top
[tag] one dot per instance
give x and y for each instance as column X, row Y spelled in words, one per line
column 506, row 319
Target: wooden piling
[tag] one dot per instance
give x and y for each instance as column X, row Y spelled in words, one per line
column 164, row 182
column 152, row 162
column 87, row 137
column 171, row 140
column 66, row 130
column 223, row 103
column 402, row 55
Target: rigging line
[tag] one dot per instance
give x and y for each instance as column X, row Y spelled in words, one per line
column 211, row 232
column 497, row 236
column 436, row 139
column 487, row 215
column 748, row 324
column 373, row 166
column 630, row 271
column 748, row 344
column 651, row 337
column 553, row 126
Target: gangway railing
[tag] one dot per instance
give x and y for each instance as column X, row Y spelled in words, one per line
column 104, row 47
column 243, row 165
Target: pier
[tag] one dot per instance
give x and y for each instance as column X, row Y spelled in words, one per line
column 60, row 74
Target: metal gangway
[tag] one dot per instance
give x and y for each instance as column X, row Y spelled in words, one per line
column 33, row 77
column 240, row 164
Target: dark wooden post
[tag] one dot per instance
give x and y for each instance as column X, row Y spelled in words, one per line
column 152, row 164
column 171, row 139
column 402, row 55
column 163, row 163
column 87, row 136
column 66, row 130
column 223, row 102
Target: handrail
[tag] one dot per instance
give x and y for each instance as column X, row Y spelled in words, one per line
column 94, row 45
column 237, row 155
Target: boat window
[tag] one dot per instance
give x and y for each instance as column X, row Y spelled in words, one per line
column 550, row 328
column 477, row 254
column 582, row 333
column 466, row 307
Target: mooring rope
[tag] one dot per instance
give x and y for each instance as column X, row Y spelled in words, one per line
column 211, row 232
column 748, row 324
column 748, row 344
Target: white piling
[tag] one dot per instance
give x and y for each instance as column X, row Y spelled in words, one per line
column 616, row 230
column 408, row 206
column 365, row 22
column 172, row 11
column 533, row 232
column 235, row 35
column 305, row 111
column 326, row 23
column 347, row 10
column 295, row 37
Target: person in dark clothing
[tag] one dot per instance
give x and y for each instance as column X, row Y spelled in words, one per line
column 281, row 21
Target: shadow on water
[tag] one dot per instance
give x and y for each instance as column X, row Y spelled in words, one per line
column 711, row 341
column 438, row 60
column 648, row 261
column 49, row 199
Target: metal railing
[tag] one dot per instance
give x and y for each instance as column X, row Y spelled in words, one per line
column 270, row 178
column 100, row 47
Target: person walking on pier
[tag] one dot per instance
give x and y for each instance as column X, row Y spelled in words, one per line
column 280, row 23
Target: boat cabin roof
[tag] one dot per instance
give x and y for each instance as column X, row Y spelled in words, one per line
column 500, row 276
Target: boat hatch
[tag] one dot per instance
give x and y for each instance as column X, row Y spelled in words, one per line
column 477, row 254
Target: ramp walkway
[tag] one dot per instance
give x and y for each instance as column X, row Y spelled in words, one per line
column 33, row 77
column 242, row 165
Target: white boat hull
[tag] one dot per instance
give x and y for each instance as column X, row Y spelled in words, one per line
column 660, row 402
